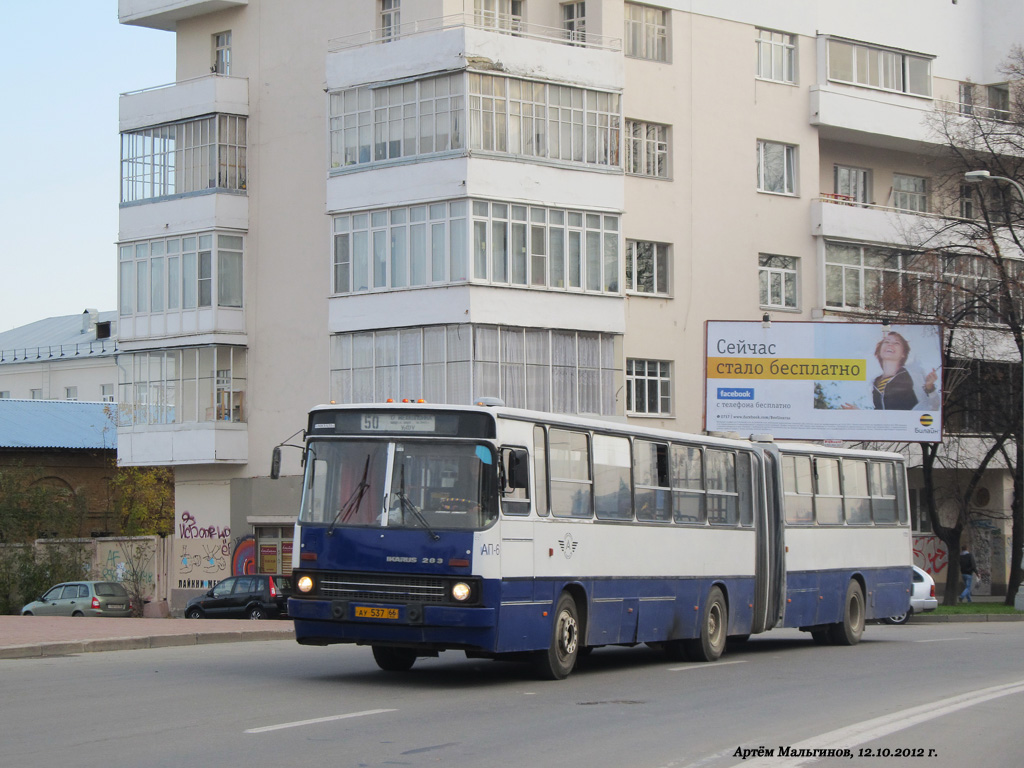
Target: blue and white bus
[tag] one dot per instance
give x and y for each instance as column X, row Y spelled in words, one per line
column 515, row 534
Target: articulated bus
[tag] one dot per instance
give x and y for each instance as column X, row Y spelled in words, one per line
column 521, row 535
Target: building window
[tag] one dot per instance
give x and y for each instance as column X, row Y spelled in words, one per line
column 502, row 15
column 778, row 281
column 909, row 193
column 647, row 267
column 574, row 21
column 851, row 185
column 222, row 53
column 70, row 393
column 776, row 168
column 190, row 385
column 560, row 371
column 106, row 393
column 884, row 68
column 503, row 244
column 181, row 158
column 180, row 273
column 646, row 33
column 648, row 387
column 859, row 277
column 998, row 101
column 36, row 394
column 776, row 56
column 919, row 520
column 647, row 149
column 543, row 120
column 390, row 19
column 509, row 115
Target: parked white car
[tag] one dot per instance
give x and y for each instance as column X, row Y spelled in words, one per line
column 921, row 600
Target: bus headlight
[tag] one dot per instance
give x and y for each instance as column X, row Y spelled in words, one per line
column 461, row 591
column 305, row 584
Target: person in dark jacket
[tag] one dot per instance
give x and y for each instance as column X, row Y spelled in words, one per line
column 967, row 570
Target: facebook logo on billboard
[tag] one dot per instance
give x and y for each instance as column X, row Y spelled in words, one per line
column 735, row 393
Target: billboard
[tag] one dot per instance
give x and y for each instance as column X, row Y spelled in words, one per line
column 824, row 381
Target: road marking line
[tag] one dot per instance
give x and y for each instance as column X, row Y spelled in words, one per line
column 942, row 639
column 706, row 666
column 297, row 723
column 870, row 730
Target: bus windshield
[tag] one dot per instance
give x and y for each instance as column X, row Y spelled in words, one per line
column 409, row 484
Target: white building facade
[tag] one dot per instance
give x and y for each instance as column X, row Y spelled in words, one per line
column 528, row 199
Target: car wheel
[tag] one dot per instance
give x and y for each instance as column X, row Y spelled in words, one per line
column 257, row 613
column 193, row 613
column 78, row 613
column 900, row 618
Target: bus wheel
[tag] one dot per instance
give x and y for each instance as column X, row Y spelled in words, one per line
column 558, row 660
column 849, row 630
column 714, row 624
column 393, row 659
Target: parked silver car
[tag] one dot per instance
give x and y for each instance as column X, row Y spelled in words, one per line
column 82, row 598
column 922, row 599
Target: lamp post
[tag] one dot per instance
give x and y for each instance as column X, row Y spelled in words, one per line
column 977, row 177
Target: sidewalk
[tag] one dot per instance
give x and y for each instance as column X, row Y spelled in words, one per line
column 36, row 636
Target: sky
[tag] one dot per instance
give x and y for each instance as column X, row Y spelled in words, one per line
column 63, row 64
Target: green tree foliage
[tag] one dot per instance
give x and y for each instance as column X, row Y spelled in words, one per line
column 144, row 500
column 31, row 510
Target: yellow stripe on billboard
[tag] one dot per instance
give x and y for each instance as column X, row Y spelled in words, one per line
column 787, row 369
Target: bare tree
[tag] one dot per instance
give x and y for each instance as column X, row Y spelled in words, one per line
column 964, row 270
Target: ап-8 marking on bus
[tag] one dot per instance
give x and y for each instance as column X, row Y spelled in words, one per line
column 515, row 534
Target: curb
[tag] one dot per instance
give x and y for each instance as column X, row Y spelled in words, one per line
column 70, row 648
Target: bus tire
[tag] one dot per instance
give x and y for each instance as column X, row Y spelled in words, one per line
column 849, row 630
column 714, row 624
column 559, row 659
column 394, row 659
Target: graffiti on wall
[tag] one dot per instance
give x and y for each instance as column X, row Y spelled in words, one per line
column 930, row 554
column 203, row 554
column 243, row 561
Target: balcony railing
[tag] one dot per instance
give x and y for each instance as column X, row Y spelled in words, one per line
column 501, row 23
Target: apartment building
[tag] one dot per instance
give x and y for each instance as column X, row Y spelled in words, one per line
column 536, row 200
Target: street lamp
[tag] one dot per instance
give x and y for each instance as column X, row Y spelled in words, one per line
column 976, row 177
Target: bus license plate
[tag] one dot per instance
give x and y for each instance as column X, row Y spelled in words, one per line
column 366, row 612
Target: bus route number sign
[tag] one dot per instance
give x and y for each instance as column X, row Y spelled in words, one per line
column 397, row 422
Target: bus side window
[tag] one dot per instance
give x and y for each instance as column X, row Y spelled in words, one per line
column 651, row 478
column 828, row 502
column 540, row 470
column 515, row 496
column 796, row 482
column 687, row 484
column 572, row 491
column 883, row 491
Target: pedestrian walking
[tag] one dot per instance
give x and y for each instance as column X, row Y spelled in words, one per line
column 967, row 570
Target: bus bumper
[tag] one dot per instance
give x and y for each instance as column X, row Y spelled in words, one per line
column 438, row 626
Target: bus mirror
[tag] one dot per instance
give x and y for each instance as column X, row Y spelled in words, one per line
column 275, row 462
column 518, row 469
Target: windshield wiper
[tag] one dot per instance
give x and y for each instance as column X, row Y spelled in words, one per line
column 407, row 504
column 351, row 504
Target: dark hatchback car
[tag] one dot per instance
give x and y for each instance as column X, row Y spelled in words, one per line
column 260, row 596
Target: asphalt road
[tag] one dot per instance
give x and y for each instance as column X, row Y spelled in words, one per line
column 951, row 693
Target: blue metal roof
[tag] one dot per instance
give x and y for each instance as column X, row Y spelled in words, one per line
column 57, row 424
